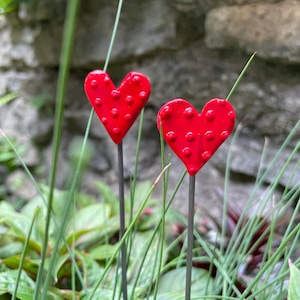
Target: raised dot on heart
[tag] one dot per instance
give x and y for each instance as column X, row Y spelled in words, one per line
column 187, row 151
column 114, row 113
column 166, row 113
column 106, row 80
column 115, row 94
column 116, row 131
column 98, row 101
column 128, row 117
column 171, row 136
column 221, row 102
column 143, row 95
column 136, row 79
column 206, row 155
column 188, row 113
column 190, row 136
column 104, row 121
column 129, row 100
column 94, row 84
column 224, row 134
column 210, row 115
column 231, row 115
column 192, row 169
column 209, row 135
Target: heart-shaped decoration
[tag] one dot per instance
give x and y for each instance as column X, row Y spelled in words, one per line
column 117, row 108
column 193, row 136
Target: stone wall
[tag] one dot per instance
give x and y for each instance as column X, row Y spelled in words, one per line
column 192, row 49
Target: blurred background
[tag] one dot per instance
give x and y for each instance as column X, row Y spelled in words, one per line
column 191, row 49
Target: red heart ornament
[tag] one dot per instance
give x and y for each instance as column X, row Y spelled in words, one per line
column 193, row 136
column 117, row 108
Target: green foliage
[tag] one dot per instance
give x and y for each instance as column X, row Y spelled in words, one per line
column 7, row 6
column 9, row 97
column 26, row 284
column 8, row 160
column 7, row 155
column 294, row 287
column 76, row 254
column 91, row 230
column 44, row 102
column 174, row 282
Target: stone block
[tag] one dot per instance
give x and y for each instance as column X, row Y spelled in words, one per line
column 270, row 29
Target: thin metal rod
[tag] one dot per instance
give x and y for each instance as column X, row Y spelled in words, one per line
column 122, row 220
column 190, row 238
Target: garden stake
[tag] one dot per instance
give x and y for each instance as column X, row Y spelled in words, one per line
column 190, row 238
column 194, row 137
column 117, row 109
column 122, row 220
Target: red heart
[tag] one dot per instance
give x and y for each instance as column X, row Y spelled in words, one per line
column 193, row 136
column 117, row 108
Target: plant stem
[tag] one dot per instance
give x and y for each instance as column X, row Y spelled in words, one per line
column 114, row 33
column 240, row 76
column 22, row 260
column 65, row 59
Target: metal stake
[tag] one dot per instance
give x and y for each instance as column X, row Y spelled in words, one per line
column 122, row 220
column 190, row 238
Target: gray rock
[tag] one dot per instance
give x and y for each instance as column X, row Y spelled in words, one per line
column 269, row 29
column 22, row 120
column 20, row 185
column 253, row 159
column 194, row 6
column 151, row 19
column 17, row 43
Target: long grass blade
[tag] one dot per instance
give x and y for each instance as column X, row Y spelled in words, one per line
column 14, row 296
column 237, row 82
column 65, row 60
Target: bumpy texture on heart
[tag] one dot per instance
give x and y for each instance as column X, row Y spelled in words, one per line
column 117, row 108
column 193, row 136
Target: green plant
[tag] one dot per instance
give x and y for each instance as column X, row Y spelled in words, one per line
column 64, row 244
column 7, row 98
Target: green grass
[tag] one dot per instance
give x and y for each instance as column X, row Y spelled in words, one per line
column 62, row 244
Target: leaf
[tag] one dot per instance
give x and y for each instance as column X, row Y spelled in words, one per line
column 6, row 207
column 58, row 270
column 109, row 197
column 83, row 200
column 29, row 265
column 7, row 6
column 91, row 216
column 103, row 294
column 140, row 193
column 59, row 200
column 19, row 227
column 150, row 265
column 103, row 252
column 11, row 249
column 294, row 287
column 28, row 210
column 5, row 99
column 90, row 224
column 107, row 294
column 60, row 294
column 91, row 269
column 25, row 288
column 170, row 296
column 174, row 281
